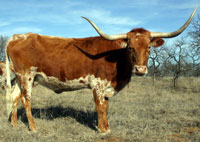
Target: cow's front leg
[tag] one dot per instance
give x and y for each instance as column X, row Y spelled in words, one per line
column 102, row 111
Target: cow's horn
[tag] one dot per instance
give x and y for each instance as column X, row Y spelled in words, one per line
column 108, row 37
column 175, row 33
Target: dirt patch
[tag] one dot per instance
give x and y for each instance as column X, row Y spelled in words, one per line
column 191, row 130
column 112, row 139
column 177, row 138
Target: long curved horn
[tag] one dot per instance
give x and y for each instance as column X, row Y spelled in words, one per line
column 108, row 37
column 175, row 33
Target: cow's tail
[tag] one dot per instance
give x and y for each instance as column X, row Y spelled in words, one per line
column 9, row 98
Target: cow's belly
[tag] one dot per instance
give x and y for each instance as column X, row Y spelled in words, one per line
column 102, row 87
column 60, row 86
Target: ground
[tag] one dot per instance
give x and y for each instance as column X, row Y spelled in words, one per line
column 141, row 112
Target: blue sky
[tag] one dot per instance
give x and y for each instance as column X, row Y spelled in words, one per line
column 63, row 17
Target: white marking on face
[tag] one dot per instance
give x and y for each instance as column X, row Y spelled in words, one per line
column 138, row 34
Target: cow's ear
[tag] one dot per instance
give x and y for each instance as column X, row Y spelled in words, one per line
column 156, row 42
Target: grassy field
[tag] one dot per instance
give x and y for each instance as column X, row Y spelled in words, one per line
column 141, row 112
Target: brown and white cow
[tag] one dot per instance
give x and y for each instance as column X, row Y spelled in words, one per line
column 3, row 75
column 12, row 80
column 104, row 64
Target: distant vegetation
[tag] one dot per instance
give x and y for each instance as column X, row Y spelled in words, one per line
column 3, row 41
column 181, row 58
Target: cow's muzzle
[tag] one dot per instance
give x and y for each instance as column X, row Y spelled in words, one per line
column 140, row 70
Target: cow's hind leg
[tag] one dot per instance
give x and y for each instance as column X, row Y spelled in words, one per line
column 102, row 110
column 16, row 96
column 27, row 105
column 26, row 82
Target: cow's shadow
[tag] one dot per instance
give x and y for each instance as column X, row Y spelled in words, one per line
column 88, row 118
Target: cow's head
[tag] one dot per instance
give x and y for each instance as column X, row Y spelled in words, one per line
column 139, row 42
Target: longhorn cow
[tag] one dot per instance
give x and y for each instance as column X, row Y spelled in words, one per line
column 104, row 64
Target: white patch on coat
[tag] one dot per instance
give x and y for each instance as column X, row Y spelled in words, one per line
column 18, row 36
column 56, row 85
column 16, row 92
column 124, row 44
column 3, row 76
column 24, row 36
column 27, row 81
column 102, row 87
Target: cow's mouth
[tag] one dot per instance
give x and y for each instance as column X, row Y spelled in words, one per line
column 140, row 74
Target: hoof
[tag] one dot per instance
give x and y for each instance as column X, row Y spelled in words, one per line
column 106, row 132
column 33, row 130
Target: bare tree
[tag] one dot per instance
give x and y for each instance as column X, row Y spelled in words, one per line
column 3, row 41
column 176, row 60
column 194, row 52
column 194, row 34
column 155, row 62
column 194, row 58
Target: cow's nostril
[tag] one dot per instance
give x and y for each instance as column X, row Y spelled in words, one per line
column 140, row 70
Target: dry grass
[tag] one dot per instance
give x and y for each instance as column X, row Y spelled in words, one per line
column 141, row 113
